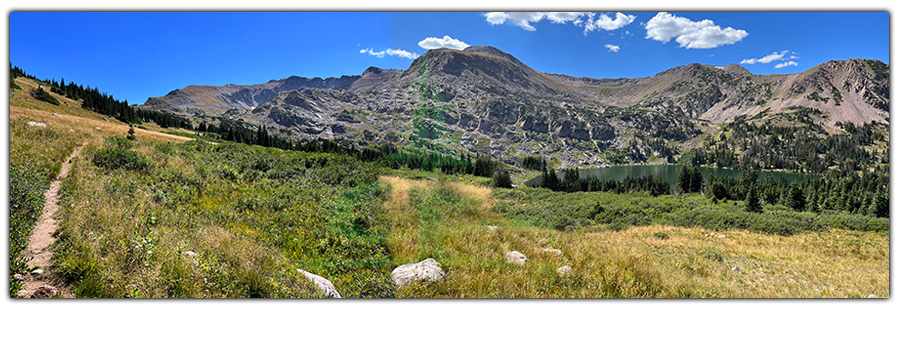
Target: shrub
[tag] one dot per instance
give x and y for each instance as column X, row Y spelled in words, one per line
column 116, row 158
column 119, row 142
column 40, row 94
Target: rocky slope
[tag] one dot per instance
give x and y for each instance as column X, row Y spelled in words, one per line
column 484, row 100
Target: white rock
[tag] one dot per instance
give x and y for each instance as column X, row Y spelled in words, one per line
column 36, row 124
column 98, row 128
column 37, row 272
column 516, row 257
column 190, row 253
column 872, row 296
column 736, row 269
column 426, row 270
column 721, row 236
column 564, row 270
column 322, row 283
column 491, row 227
column 552, row 250
column 56, row 114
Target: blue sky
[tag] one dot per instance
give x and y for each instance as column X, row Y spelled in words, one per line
column 134, row 56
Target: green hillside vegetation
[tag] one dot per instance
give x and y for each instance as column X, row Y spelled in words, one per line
column 153, row 215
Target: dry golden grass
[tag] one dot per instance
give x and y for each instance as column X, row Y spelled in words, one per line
column 636, row 262
column 73, row 117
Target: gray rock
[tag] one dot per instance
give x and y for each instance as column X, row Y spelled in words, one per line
column 516, row 257
column 426, row 270
column 56, row 114
column 564, row 270
column 736, row 269
column 36, row 124
column 45, row 291
column 323, row 284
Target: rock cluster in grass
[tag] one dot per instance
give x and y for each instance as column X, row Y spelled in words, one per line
column 516, row 257
column 323, row 284
column 426, row 270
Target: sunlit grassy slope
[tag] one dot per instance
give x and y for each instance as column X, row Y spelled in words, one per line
column 449, row 222
column 232, row 220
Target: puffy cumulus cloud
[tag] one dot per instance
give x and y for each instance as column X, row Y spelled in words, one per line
column 691, row 34
column 389, row 51
column 446, row 42
column 612, row 48
column 525, row 19
column 765, row 59
column 604, row 22
column 785, row 64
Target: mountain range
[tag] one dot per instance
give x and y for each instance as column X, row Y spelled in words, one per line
column 485, row 101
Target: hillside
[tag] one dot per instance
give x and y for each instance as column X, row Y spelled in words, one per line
column 158, row 217
column 482, row 100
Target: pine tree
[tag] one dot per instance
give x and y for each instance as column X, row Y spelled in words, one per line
column 684, row 180
column 812, row 203
column 795, row 198
column 752, row 200
column 880, row 205
column 131, row 133
column 696, row 180
column 502, row 179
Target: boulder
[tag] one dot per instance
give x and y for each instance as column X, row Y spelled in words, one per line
column 323, row 284
column 426, row 270
column 564, row 270
column 516, row 257
column 45, row 291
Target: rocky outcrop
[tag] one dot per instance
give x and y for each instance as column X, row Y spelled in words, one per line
column 323, row 284
column 428, row 270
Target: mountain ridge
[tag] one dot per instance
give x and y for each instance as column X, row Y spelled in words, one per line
column 483, row 100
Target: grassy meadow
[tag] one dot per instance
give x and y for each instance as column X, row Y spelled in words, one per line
column 169, row 216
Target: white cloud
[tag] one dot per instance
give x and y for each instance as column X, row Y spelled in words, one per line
column 446, row 42
column 691, row 34
column 765, row 59
column 369, row 50
column 785, row 64
column 525, row 19
column 775, row 56
column 389, row 51
column 612, row 48
column 402, row 53
column 606, row 23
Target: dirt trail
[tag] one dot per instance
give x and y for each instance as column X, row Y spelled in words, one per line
column 42, row 235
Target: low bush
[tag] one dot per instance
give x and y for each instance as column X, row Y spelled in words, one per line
column 118, row 158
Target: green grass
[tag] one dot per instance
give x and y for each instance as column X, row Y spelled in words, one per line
column 36, row 155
